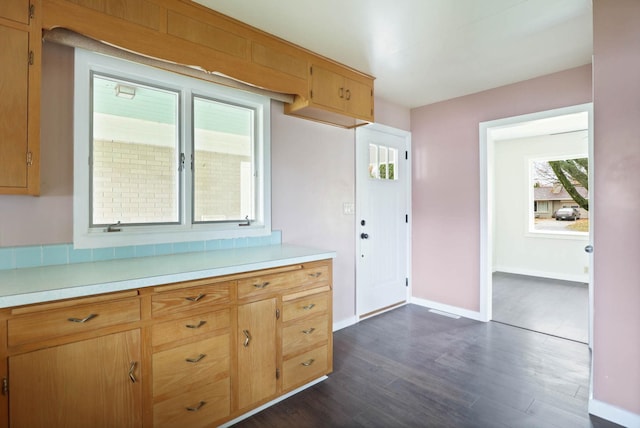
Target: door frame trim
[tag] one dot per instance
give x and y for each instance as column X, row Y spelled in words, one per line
column 408, row 179
column 487, row 199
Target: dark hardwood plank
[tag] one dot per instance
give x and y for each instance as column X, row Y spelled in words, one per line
column 412, row 368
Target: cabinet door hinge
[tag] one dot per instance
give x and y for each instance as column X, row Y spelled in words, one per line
column 277, row 314
column 32, row 11
column 311, row 94
column 311, row 70
column 5, row 386
column 31, row 58
column 29, row 159
column 277, row 373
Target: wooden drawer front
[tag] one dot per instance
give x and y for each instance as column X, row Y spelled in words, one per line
column 200, row 407
column 209, row 361
column 71, row 320
column 189, row 298
column 303, row 335
column 192, row 326
column 282, row 281
column 305, row 306
column 303, row 368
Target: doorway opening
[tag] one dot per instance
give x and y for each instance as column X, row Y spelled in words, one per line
column 535, row 273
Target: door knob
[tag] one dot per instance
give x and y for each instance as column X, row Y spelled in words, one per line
column 588, row 249
column 364, row 236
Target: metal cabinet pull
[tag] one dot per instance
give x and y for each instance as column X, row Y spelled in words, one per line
column 263, row 285
column 308, row 307
column 200, row 324
column 83, row 320
column 341, row 92
column 196, row 359
column 307, row 363
column 348, row 97
column 195, row 299
column 247, row 338
column 309, row 330
column 315, row 274
column 198, row 407
column 132, row 375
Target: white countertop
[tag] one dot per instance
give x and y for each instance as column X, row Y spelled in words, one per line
column 47, row 283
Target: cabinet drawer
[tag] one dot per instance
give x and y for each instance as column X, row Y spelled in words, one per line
column 304, row 368
column 282, row 281
column 208, row 360
column 304, row 334
column 305, row 306
column 189, row 298
column 71, row 320
column 199, row 407
column 192, row 326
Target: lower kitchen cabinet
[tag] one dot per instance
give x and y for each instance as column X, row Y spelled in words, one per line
column 191, row 354
column 92, row 382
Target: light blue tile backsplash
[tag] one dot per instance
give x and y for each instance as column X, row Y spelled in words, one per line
column 61, row 254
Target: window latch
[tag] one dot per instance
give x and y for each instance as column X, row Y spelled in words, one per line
column 248, row 222
column 114, row 227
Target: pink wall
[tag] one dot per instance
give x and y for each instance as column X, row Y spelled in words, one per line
column 47, row 219
column 617, row 188
column 445, row 187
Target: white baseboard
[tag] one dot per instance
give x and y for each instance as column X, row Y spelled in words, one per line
column 544, row 274
column 447, row 308
column 345, row 323
column 614, row 414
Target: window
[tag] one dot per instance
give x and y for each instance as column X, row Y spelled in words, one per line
column 160, row 157
column 383, row 162
column 560, row 196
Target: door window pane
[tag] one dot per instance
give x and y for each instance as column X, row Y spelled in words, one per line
column 134, row 168
column 223, row 166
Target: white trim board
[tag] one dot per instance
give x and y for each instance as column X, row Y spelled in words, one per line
column 339, row 325
column 465, row 313
column 614, row 414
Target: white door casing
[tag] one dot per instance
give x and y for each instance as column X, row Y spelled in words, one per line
column 382, row 218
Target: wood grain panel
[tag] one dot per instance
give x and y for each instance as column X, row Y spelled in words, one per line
column 16, row 10
column 174, row 412
column 40, row 326
column 304, row 334
column 172, row 373
column 265, row 284
column 190, row 298
column 278, row 60
column 304, row 368
column 192, row 326
column 306, row 306
column 206, row 34
column 14, row 75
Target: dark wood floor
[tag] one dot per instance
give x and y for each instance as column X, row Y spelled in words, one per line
column 412, row 368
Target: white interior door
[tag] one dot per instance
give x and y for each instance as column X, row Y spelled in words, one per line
column 383, row 178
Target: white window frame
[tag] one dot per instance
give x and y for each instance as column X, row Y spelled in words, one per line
column 85, row 236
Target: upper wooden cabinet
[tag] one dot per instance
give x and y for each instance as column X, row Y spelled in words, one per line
column 185, row 32
column 19, row 98
column 337, row 96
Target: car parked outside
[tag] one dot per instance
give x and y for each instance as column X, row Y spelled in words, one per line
column 567, row 214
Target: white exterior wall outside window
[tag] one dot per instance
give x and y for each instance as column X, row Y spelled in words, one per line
column 169, row 158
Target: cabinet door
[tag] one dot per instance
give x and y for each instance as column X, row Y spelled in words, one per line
column 15, row 10
column 81, row 384
column 257, row 354
column 359, row 99
column 14, row 78
column 327, row 88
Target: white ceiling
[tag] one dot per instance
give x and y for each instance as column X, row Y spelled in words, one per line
column 424, row 51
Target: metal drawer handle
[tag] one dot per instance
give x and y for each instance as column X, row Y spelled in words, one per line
column 309, row 330
column 247, row 338
column 195, row 299
column 307, row 363
column 198, row 407
column 308, row 307
column 200, row 324
column 263, row 285
column 196, row 359
column 315, row 274
column 132, row 375
column 83, row 320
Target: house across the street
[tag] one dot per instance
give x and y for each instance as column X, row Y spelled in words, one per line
column 548, row 199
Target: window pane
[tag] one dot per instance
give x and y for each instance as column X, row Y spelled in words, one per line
column 223, row 169
column 383, row 162
column 134, row 174
column 393, row 164
column 373, row 161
